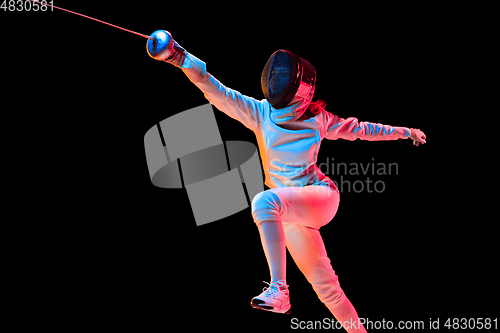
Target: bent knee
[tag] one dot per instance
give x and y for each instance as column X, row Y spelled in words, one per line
column 266, row 200
column 266, row 206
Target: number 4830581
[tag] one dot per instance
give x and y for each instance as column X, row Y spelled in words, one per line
column 471, row 323
column 26, row 5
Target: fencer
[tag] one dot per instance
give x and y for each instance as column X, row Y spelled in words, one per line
column 289, row 128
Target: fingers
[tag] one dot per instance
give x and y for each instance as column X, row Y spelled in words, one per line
column 418, row 141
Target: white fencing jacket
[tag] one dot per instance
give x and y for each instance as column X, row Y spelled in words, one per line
column 288, row 149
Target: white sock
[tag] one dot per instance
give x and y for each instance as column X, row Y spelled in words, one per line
column 272, row 237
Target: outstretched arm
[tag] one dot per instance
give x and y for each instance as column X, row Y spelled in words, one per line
column 247, row 110
column 352, row 129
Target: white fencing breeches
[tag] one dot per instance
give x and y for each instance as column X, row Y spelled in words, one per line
column 291, row 217
column 310, row 206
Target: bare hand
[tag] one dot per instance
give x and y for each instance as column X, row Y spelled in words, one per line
column 417, row 136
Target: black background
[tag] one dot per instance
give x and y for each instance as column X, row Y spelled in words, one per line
column 84, row 94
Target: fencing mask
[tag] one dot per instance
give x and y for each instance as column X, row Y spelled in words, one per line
column 285, row 76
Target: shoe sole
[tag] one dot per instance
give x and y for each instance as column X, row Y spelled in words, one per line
column 256, row 304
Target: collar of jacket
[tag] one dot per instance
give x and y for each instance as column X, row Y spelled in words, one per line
column 289, row 113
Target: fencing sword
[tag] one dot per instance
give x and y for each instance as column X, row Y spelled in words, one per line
column 160, row 44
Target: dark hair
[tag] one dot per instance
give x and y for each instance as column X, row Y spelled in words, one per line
column 317, row 107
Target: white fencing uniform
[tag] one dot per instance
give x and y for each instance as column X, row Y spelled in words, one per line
column 301, row 199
